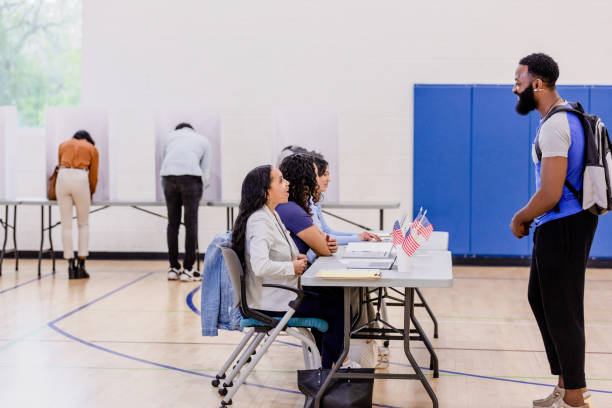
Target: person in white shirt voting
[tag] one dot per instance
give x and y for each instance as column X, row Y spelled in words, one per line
column 185, row 172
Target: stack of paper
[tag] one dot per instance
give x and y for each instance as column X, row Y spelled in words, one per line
column 349, row 274
column 368, row 249
column 368, row 246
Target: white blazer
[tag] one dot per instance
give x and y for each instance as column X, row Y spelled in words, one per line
column 269, row 250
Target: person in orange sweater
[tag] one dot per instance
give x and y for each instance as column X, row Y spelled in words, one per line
column 76, row 184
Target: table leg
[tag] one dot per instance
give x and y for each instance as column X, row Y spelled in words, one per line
column 198, row 258
column 227, row 218
column 408, row 312
column 42, row 236
column 51, row 240
column 232, row 217
column 15, row 237
column 429, row 311
column 433, row 357
column 382, row 219
column 5, row 227
column 347, row 345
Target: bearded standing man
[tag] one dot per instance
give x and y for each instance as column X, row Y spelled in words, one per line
column 563, row 230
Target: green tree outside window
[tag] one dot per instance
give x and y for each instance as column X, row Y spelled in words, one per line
column 40, row 56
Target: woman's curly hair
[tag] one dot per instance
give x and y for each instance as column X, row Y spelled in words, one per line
column 299, row 170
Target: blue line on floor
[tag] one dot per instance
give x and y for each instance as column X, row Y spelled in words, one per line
column 112, row 292
column 53, row 326
column 189, row 300
column 153, row 363
column 484, row 377
column 25, row 283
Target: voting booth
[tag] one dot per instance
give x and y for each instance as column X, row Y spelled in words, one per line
column 62, row 123
column 132, row 154
column 205, row 122
column 8, row 153
column 313, row 130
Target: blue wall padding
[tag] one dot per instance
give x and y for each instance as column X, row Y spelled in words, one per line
column 442, row 159
column 473, row 168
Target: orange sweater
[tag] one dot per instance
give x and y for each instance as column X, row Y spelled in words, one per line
column 75, row 153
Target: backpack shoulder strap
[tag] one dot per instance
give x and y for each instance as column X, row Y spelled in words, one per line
column 577, row 109
column 572, row 107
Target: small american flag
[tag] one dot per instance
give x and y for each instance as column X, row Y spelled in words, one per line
column 424, row 227
column 397, row 235
column 410, row 244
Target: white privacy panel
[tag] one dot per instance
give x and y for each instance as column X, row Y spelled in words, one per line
column 313, row 130
column 63, row 123
column 205, row 122
column 132, row 154
column 8, row 152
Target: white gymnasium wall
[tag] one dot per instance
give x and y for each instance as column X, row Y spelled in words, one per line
column 358, row 58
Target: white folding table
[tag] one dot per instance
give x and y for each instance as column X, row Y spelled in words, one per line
column 428, row 269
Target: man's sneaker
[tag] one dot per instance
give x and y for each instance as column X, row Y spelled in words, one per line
column 547, row 402
column 190, row 275
column 561, row 404
column 555, row 397
column 173, row 273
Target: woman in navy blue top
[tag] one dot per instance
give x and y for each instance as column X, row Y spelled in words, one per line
column 299, row 170
column 296, row 214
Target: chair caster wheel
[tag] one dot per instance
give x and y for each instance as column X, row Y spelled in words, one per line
column 248, row 360
column 220, row 378
column 223, row 392
column 215, row 383
column 223, row 403
column 231, row 384
column 386, row 343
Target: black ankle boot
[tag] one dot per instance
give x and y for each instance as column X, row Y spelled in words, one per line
column 81, row 272
column 72, row 270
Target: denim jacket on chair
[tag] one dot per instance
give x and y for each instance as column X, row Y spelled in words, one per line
column 217, row 310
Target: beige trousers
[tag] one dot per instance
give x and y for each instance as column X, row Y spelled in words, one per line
column 72, row 188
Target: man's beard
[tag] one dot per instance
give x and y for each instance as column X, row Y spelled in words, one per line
column 526, row 102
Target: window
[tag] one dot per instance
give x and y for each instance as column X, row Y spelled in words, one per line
column 40, row 56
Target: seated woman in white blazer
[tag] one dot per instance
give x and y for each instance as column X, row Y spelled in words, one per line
column 269, row 255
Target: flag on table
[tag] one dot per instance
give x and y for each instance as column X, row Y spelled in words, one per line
column 410, row 244
column 420, row 214
column 397, row 235
column 424, row 227
column 416, row 224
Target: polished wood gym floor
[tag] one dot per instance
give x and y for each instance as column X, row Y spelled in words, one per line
column 129, row 338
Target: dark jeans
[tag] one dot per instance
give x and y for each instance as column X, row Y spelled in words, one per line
column 182, row 191
column 556, row 292
column 324, row 303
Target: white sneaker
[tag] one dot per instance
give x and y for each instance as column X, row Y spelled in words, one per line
column 561, row 404
column 190, row 275
column 173, row 273
column 350, row 364
column 557, row 397
column 383, row 351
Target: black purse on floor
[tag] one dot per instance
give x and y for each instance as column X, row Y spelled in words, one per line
column 341, row 393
